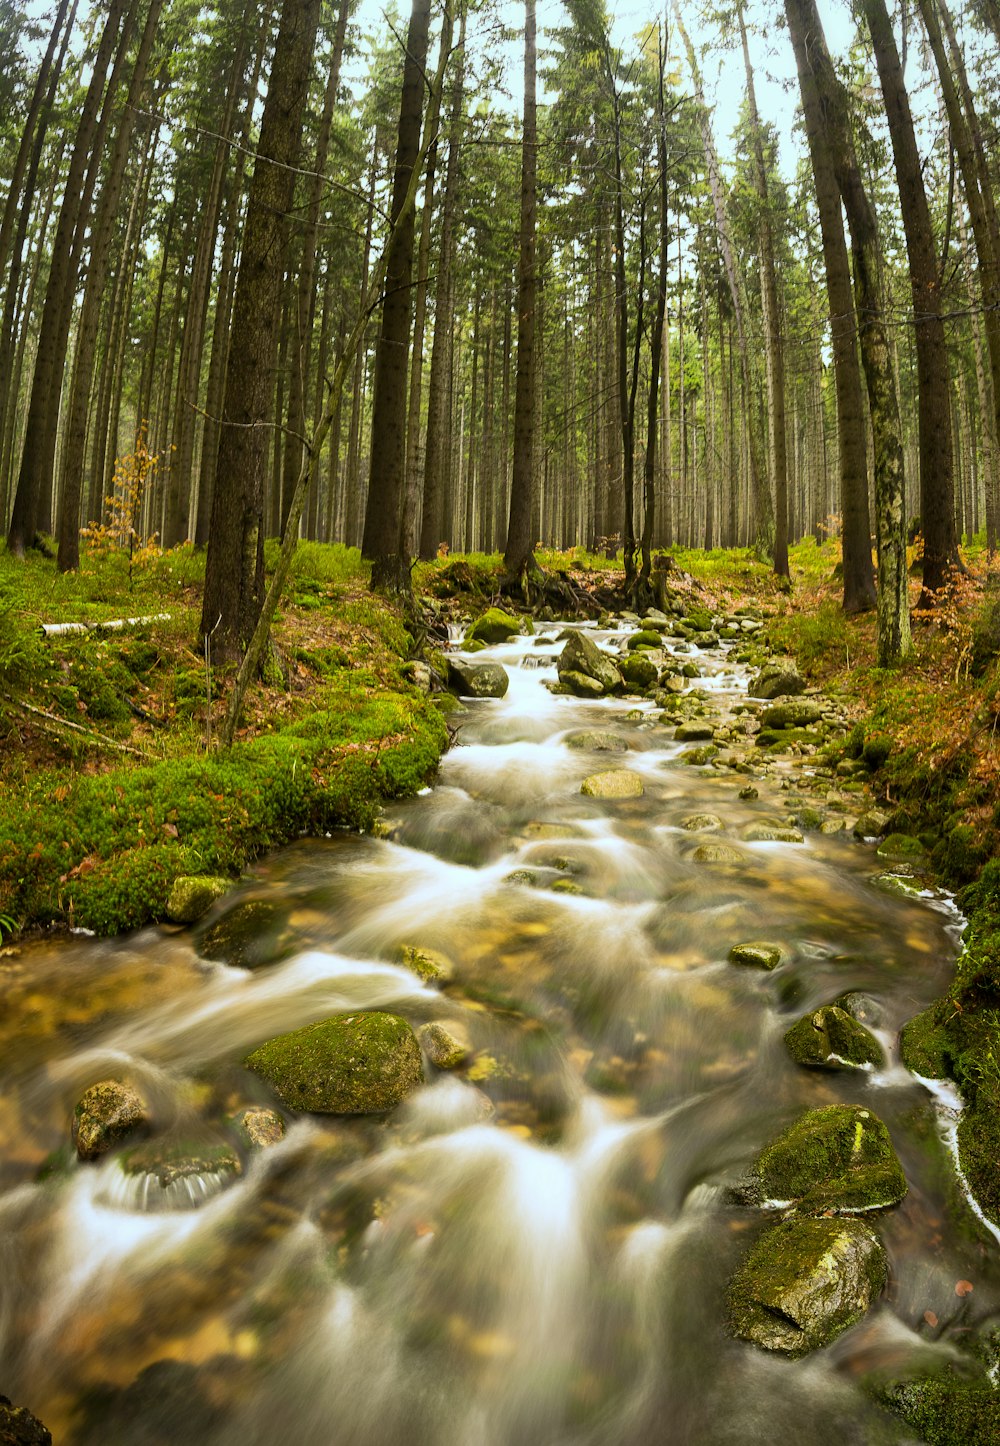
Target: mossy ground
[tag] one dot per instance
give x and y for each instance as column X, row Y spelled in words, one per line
column 94, row 835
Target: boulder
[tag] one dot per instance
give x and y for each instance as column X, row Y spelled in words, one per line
column 694, row 732
column 355, row 1064
column 871, row 824
column 246, row 936
column 804, row 1282
column 582, row 655
column 717, row 853
column 699, row 620
column 105, row 1114
column 798, row 713
column 638, row 671
column 899, row 848
column 829, row 1038
column 756, row 955
column 645, row 638
column 18, row 1427
column 777, row 680
column 581, row 686
column 477, row 680
column 494, row 626
column 653, row 618
column 191, row 896
column 836, row 1158
column 596, row 741
column 615, row 783
column 445, row 1043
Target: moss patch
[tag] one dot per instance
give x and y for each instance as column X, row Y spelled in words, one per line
column 356, row 1064
column 836, row 1158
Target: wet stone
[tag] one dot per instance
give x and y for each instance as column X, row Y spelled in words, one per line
column 638, row 671
column 477, row 680
column 901, row 848
column 581, row 686
column 749, row 793
column 796, row 714
column 494, row 626
column 18, row 1427
column 582, row 655
column 646, row 638
column 718, row 853
column 260, row 1128
column 829, row 1038
column 190, row 897
column 596, row 741
column 694, row 732
column 106, row 1114
column 756, row 955
column 698, row 757
column 444, row 1042
column 356, row 1064
column 836, row 1158
column 777, row 680
column 430, row 966
column 176, row 1174
column 806, row 1281
column 247, row 936
column 871, row 824
column 701, row 822
column 771, row 833
column 615, row 783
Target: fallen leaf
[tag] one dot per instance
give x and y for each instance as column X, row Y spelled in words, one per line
column 930, row 1318
column 964, row 1287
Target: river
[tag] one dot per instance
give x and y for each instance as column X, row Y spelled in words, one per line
column 532, row 1249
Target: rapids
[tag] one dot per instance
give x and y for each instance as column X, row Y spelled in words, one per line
column 532, row 1251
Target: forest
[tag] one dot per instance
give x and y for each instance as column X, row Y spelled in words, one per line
column 499, row 693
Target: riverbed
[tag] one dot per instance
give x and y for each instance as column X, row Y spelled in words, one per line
column 535, row 1247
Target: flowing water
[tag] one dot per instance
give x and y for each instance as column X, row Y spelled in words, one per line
column 534, row 1249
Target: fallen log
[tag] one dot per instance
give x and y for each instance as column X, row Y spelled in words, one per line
column 59, row 630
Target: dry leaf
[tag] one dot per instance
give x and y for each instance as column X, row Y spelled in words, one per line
column 964, row 1287
column 930, row 1318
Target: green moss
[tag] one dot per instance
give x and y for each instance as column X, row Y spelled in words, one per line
column 354, row 1064
column 924, row 1045
column 837, row 1158
column 946, row 1410
column 493, row 626
column 645, row 638
column 638, row 671
column 829, row 1038
column 756, row 954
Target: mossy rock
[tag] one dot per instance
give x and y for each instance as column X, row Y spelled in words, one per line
column 829, row 1038
column 836, row 1158
column 259, row 1128
column 782, row 739
column 192, row 896
column 445, row 1043
column 777, row 680
column 772, row 833
column 612, row 784
column 979, row 1146
column 806, row 1281
column 699, row 620
column 582, row 655
column 638, row 671
column 717, row 853
column 18, row 1427
column 645, row 638
column 107, row 1113
column 899, row 848
column 757, row 955
column 945, row 1410
column 871, row 824
column 477, row 680
column 493, row 626
column 924, row 1046
column 698, row 757
column 355, row 1064
column 596, row 741
column 177, row 1174
column 797, row 713
column 427, row 964
column 896, row 884
column 581, row 686
column 701, row 823
column 694, row 732
column 246, row 936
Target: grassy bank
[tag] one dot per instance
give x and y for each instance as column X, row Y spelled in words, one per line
column 110, row 786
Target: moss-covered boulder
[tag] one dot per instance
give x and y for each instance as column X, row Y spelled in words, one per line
column 581, row 686
column 18, row 1427
column 645, row 638
column 430, row 966
column 477, row 680
column 445, row 1043
column 105, row 1114
column 806, row 1281
column 799, row 713
column 756, row 954
column 925, row 1046
column 947, row 1409
column 615, row 783
column 694, row 732
column 717, row 853
column 777, row 680
column 898, row 848
column 355, row 1064
column 582, row 655
column 191, row 896
column 247, row 936
column 596, row 741
column 638, row 671
column 836, row 1158
column 698, row 620
column 829, row 1038
column 871, row 824
column 494, row 626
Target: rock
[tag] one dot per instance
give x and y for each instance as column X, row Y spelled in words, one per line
column 804, row 1282
column 355, row 1064
column 105, row 1114
column 690, row 670
column 749, row 792
column 900, row 848
column 596, row 741
column 582, row 655
column 777, row 680
column 615, row 783
column 697, row 757
column 174, row 1174
column 655, row 618
column 445, row 1043
column 771, row 833
column 419, row 674
column 797, row 714
column 717, row 853
column 756, row 955
column 565, row 886
column 260, row 1128
column 191, row 896
column 829, row 1038
column 896, row 884
column 699, row 620
column 494, row 626
column 581, row 686
column 701, row 822
column 837, row 1158
column 672, row 682
column 871, row 824
column 246, row 936
column 18, row 1427
column 694, row 732
column 427, row 964
column 645, row 638
column 477, row 680
column 638, row 671
column 925, row 1046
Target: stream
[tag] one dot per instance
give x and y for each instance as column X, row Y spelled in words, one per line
column 534, row 1249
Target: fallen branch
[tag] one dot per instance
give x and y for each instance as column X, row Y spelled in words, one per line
column 53, row 718
column 58, row 630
